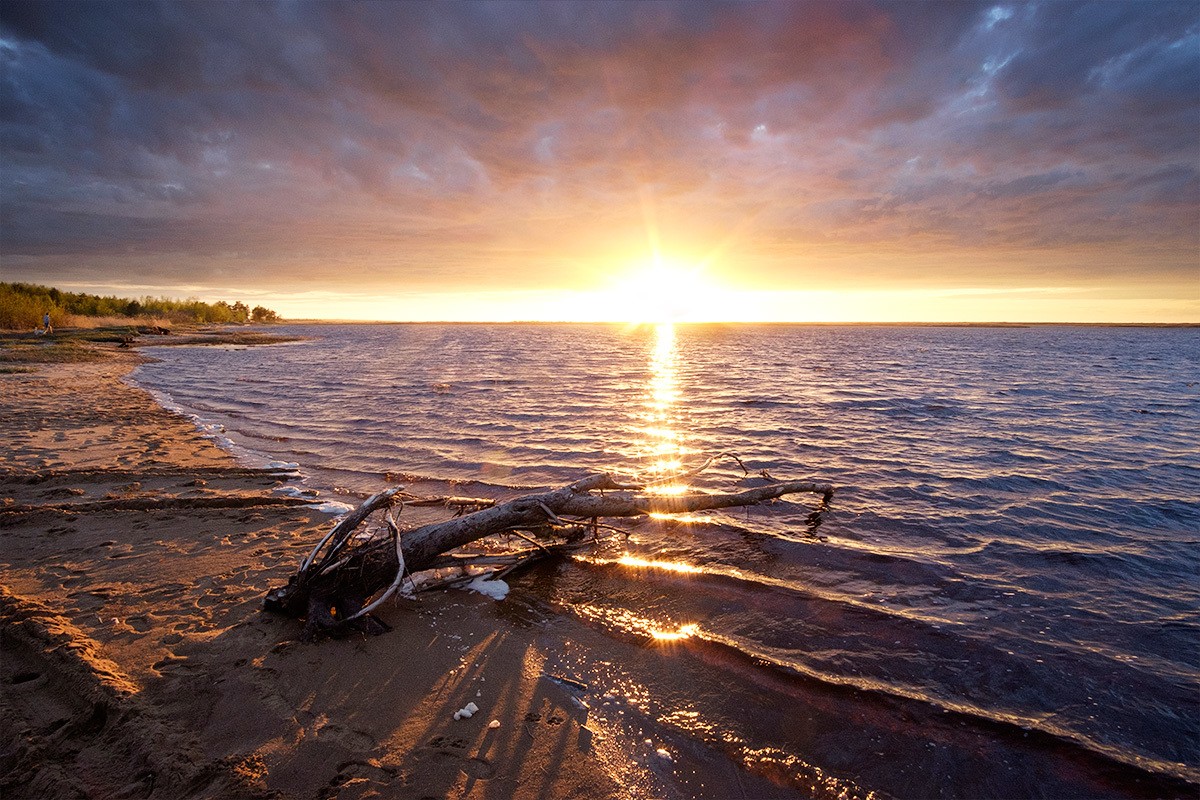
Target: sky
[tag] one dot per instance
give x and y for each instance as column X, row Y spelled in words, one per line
column 848, row 161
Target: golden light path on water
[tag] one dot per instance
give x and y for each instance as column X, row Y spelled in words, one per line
column 666, row 452
column 669, row 566
column 663, row 440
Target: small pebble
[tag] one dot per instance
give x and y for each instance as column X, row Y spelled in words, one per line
column 494, row 724
column 663, row 754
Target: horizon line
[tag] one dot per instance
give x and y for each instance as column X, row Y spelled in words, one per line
column 826, row 323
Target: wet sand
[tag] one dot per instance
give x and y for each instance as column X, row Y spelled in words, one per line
column 137, row 662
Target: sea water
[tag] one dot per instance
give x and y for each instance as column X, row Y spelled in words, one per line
column 1001, row 600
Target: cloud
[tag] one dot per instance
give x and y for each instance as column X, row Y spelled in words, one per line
column 519, row 144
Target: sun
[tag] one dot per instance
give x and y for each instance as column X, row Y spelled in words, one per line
column 661, row 290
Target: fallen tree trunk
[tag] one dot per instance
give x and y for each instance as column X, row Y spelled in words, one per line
column 346, row 568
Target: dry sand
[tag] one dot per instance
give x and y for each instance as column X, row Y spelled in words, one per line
column 137, row 662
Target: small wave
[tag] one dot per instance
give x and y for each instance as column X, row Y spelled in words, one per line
column 1015, row 722
column 1013, row 483
column 915, row 407
column 743, row 655
column 214, row 431
column 763, row 403
column 756, row 582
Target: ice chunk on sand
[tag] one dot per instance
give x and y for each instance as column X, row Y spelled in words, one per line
column 467, row 711
column 333, row 507
column 295, row 491
column 497, row 590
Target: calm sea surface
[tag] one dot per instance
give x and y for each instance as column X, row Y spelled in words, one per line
column 1002, row 601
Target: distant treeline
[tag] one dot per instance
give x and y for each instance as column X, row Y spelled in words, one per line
column 23, row 304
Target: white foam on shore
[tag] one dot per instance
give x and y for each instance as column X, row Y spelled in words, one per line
column 242, row 454
column 325, row 506
column 245, row 456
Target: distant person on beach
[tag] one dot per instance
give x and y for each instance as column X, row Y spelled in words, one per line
column 46, row 323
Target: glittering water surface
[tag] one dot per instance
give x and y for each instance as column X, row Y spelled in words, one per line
column 1001, row 601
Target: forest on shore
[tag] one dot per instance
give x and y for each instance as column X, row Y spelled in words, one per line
column 22, row 306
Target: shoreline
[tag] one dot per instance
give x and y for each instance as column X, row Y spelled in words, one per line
column 138, row 661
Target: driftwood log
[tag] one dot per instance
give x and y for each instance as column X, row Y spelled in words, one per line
column 334, row 583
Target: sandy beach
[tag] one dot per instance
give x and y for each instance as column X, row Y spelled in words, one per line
column 137, row 661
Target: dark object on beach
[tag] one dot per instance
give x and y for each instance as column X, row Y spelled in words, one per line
column 344, row 570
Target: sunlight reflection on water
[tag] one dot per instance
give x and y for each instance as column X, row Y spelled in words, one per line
column 663, row 440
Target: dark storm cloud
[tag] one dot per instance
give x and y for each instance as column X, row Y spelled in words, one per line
column 411, row 134
column 1140, row 53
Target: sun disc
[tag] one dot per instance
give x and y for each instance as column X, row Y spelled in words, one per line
column 664, row 291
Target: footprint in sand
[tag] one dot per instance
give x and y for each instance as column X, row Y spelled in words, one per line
column 172, row 664
column 211, row 599
column 478, row 768
column 443, row 742
column 347, row 737
column 89, row 599
column 366, row 779
column 28, row 680
column 121, row 551
column 165, row 589
column 90, row 725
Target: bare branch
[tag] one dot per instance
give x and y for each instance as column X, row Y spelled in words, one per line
column 341, row 574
